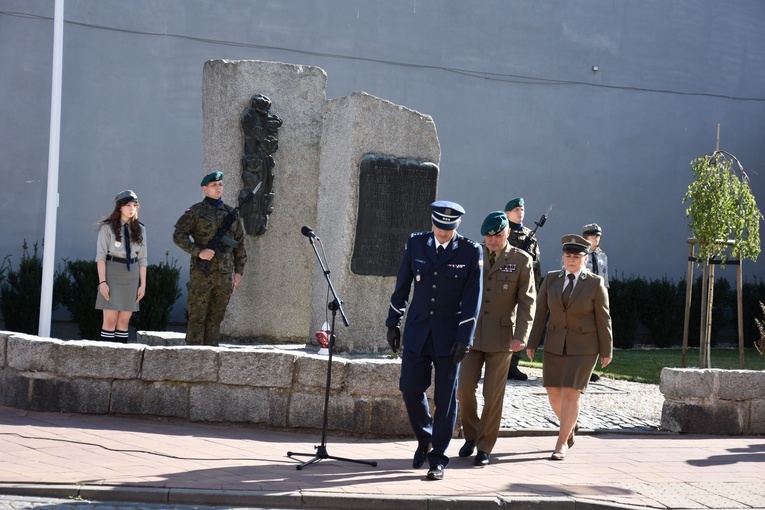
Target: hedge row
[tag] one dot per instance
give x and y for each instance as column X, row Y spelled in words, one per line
column 659, row 306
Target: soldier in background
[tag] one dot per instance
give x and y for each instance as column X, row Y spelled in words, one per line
column 597, row 262
column 215, row 271
column 519, row 235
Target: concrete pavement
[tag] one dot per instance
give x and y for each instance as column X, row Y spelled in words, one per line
column 613, row 464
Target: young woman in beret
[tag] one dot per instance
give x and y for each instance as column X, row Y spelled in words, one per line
column 121, row 261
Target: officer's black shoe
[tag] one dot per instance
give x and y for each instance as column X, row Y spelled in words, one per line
column 420, row 456
column 482, row 458
column 436, row 472
column 594, row 377
column 516, row 374
column 467, row 449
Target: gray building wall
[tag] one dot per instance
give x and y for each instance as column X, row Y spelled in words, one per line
column 509, row 83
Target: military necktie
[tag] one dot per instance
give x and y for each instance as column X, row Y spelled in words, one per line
column 594, row 263
column 126, row 235
column 439, row 251
column 492, row 258
column 568, row 290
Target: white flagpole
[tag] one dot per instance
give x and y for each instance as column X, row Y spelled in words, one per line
column 51, row 202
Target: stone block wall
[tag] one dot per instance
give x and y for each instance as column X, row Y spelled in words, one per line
column 265, row 385
column 713, row 401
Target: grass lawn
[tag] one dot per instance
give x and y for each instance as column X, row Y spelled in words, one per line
column 645, row 365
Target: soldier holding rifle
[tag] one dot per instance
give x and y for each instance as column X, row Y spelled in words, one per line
column 211, row 232
column 524, row 238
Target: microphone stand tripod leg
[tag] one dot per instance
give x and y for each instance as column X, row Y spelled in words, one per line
column 321, row 450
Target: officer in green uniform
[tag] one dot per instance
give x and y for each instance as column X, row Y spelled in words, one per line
column 515, row 211
column 215, row 272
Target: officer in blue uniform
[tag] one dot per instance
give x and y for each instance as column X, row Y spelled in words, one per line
column 446, row 269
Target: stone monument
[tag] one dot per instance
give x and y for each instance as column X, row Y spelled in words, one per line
column 356, row 128
column 273, row 301
column 359, row 170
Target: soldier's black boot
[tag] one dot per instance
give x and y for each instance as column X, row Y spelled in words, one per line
column 514, row 373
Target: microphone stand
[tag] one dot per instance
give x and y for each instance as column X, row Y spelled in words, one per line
column 334, row 306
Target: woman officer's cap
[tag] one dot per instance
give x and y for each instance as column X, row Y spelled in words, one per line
column 125, row 197
column 573, row 243
column 592, row 229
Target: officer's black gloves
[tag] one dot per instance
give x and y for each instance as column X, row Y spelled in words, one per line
column 459, row 350
column 394, row 338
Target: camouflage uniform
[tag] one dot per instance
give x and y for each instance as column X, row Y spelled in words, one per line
column 517, row 238
column 209, row 290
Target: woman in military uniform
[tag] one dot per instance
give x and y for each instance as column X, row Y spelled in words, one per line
column 578, row 332
column 121, row 260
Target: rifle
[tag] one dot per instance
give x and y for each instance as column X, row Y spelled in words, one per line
column 220, row 234
column 526, row 246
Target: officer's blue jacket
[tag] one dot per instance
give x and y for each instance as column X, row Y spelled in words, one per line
column 447, row 292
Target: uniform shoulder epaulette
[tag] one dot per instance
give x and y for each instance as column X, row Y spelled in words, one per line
column 417, row 234
column 521, row 252
column 591, row 275
column 475, row 244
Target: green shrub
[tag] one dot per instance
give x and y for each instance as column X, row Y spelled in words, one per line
column 659, row 312
column 752, row 294
column 722, row 296
column 79, row 287
column 20, row 293
column 162, row 291
column 4, row 267
column 659, row 305
column 78, row 290
column 759, row 343
column 622, row 295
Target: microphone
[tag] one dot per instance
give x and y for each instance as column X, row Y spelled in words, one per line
column 308, row 232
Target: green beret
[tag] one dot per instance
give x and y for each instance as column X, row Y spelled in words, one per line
column 513, row 204
column 125, row 197
column 494, row 223
column 212, row 177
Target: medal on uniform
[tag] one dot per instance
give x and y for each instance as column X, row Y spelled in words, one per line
column 117, row 244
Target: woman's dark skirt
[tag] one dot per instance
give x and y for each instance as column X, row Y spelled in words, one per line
column 568, row 371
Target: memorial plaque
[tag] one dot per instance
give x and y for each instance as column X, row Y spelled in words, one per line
column 394, row 200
